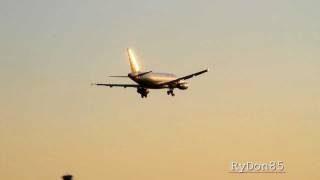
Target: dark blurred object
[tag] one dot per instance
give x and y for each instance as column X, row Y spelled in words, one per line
column 67, row 177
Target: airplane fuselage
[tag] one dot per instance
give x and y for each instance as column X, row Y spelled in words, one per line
column 152, row 80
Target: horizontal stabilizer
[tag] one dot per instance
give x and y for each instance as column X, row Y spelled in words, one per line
column 141, row 74
column 116, row 85
column 119, row 76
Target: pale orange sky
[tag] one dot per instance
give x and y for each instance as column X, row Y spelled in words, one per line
column 260, row 101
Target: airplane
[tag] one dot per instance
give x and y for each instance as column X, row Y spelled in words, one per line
column 146, row 80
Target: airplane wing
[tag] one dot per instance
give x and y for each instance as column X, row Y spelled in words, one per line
column 117, row 85
column 185, row 77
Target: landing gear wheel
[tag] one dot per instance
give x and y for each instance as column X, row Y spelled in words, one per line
column 143, row 96
column 143, row 92
column 170, row 92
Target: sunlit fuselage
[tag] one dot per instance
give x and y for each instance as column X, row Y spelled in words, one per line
column 154, row 80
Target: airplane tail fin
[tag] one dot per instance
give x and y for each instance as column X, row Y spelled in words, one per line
column 134, row 65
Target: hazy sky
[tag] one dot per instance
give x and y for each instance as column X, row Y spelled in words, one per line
column 259, row 102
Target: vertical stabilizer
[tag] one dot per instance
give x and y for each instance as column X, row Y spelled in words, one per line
column 133, row 61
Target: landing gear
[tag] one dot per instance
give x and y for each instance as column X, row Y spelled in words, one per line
column 143, row 92
column 170, row 92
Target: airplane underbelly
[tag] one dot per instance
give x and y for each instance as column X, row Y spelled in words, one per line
column 153, row 80
column 151, row 83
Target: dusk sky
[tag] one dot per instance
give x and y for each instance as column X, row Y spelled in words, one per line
column 259, row 102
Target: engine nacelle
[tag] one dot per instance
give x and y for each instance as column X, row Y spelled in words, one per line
column 183, row 86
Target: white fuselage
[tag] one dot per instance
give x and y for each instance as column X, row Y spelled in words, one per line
column 153, row 80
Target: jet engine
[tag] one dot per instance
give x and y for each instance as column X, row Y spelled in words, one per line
column 183, row 86
column 143, row 91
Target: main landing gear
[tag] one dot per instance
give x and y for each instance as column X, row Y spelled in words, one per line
column 143, row 92
column 170, row 92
